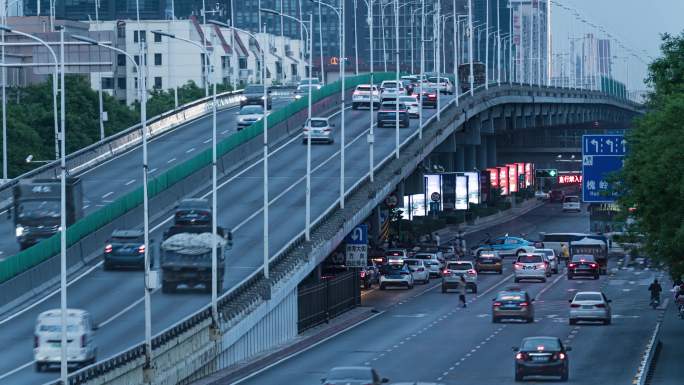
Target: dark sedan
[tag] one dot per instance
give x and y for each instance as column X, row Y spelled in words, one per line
column 125, row 248
column 583, row 265
column 254, row 94
column 541, row 356
column 387, row 116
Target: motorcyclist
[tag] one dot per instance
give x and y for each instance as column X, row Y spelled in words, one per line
column 655, row 290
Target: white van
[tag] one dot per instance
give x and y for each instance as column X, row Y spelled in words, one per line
column 572, row 203
column 81, row 347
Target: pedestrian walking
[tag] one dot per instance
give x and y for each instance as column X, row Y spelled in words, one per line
column 462, row 291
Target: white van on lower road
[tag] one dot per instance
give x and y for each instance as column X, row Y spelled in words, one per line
column 81, row 347
column 572, row 203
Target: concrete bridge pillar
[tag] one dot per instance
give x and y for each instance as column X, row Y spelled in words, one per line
column 469, row 157
column 481, row 155
column 491, row 150
column 459, row 158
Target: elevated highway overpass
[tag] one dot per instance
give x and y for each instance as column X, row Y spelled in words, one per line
column 257, row 314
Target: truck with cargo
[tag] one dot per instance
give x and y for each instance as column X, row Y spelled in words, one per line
column 464, row 76
column 596, row 247
column 36, row 208
column 185, row 257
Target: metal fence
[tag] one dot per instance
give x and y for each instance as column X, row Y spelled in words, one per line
column 321, row 301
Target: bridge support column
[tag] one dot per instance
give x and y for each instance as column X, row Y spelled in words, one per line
column 491, row 150
column 375, row 224
column 459, row 158
column 469, row 157
column 481, row 155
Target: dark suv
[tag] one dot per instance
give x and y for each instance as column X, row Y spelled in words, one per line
column 193, row 211
column 556, row 196
column 254, row 94
column 125, row 248
column 388, row 115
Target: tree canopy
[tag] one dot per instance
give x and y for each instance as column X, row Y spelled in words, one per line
column 30, row 117
column 653, row 174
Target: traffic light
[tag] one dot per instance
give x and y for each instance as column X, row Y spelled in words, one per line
column 546, row 173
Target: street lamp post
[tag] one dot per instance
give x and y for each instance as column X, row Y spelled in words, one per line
column 309, row 33
column 146, row 222
column 214, row 205
column 471, row 77
column 63, row 221
column 340, row 18
column 486, row 46
column 265, row 146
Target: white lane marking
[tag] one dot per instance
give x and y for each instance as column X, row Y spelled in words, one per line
column 190, row 150
column 207, row 141
column 85, row 206
column 153, row 170
column 107, row 194
column 15, row 370
column 130, row 182
column 171, row 160
column 43, row 299
column 225, row 132
column 547, row 287
column 120, row 313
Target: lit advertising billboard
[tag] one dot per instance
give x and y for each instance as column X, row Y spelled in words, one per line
column 521, row 176
column 493, row 177
column 473, row 187
column 461, row 192
column 570, row 178
column 529, row 174
column 414, row 206
column 512, row 177
column 503, row 180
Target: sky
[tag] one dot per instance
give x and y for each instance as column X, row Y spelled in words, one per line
column 638, row 23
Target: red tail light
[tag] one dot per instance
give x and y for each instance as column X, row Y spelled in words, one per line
column 520, row 356
column 518, row 265
column 141, row 249
column 561, row 356
column 84, row 340
column 600, row 305
column 472, row 272
column 593, row 265
column 523, row 304
column 574, row 305
column 36, row 341
column 108, row 249
column 497, row 303
column 571, row 265
column 446, row 271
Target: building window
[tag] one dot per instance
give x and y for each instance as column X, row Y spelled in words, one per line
column 157, row 82
column 225, row 62
column 136, row 58
column 242, row 62
column 157, row 38
column 293, row 69
column 107, row 83
column 121, row 60
column 139, row 36
column 135, row 82
column 121, row 31
column 121, row 83
column 157, row 59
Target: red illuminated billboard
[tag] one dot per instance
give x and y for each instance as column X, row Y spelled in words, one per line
column 574, row 178
column 512, row 177
column 503, row 180
column 494, row 177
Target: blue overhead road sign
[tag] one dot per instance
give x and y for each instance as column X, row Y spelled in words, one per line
column 358, row 236
column 602, row 155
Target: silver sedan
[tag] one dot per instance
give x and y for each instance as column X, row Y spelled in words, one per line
column 590, row 306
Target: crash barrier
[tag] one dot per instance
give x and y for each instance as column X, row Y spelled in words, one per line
column 321, row 301
column 26, row 259
column 648, row 356
column 257, row 314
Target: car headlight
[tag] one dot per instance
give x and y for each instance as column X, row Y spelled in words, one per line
column 243, row 98
column 262, row 98
column 19, row 231
column 298, row 96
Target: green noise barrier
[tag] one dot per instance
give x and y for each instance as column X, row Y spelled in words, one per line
column 26, row 259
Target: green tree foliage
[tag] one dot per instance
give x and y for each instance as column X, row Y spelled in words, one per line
column 653, row 175
column 30, row 117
